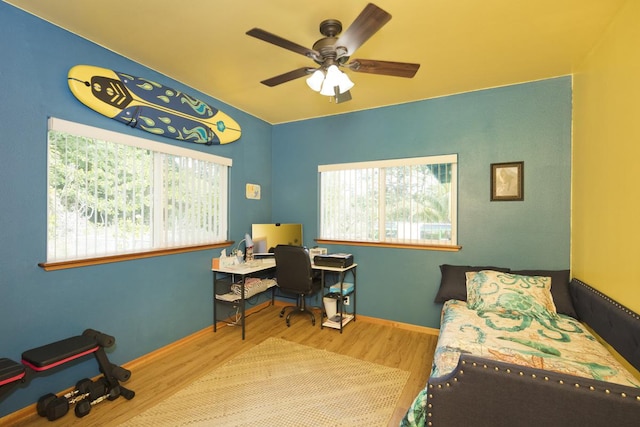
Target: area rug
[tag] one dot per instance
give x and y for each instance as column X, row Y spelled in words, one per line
column 280, row 383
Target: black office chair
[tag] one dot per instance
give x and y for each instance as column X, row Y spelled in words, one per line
column 294, row 275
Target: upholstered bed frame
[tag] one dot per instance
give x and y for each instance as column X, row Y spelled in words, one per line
column 481, row 392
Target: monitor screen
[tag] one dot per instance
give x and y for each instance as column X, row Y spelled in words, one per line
column 267, row 236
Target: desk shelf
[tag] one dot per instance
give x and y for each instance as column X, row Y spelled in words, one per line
column 225, row 277
column 335, row 324
column 344, row 290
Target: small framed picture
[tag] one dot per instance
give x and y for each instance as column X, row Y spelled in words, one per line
column 507, row 181
column 252, row 191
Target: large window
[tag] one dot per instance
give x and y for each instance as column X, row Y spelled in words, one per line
column 400, row 201
column 111, row 193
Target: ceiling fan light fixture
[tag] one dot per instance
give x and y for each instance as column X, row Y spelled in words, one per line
column 315, row 80
column 327, row 89
column 335, row 50
column 345, row 83
column 333, row 76
column 335, row 79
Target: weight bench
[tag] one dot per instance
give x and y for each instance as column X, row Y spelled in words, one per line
column 59, row 353
column 10, row 372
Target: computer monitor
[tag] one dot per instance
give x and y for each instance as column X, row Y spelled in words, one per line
column 267, row 236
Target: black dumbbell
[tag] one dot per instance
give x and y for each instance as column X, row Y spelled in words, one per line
column 57, row 408
column 83, row 408
column 82, row 387
column 54, row 407
column 43, row 402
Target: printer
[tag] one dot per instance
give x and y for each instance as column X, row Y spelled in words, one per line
column 333, row 260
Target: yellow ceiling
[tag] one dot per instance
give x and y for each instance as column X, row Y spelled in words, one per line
column 462, row 45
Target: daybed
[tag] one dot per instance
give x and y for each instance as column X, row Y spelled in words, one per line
column 514, row 353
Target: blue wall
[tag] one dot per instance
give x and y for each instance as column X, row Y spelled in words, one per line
column 149, row 303
column 145, row 304
column 529, row 122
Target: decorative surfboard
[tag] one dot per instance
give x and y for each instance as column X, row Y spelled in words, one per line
column 150, row 106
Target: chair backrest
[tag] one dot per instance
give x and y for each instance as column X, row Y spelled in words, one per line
column 293, row 268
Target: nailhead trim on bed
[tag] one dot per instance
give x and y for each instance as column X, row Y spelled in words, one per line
column 616, row 324
column 606, row 298
column 533, row 376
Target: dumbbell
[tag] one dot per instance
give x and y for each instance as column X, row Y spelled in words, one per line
column 83, row 408
column 54, row 407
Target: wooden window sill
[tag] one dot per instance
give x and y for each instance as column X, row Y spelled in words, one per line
column 448, row 248
column 62, row 265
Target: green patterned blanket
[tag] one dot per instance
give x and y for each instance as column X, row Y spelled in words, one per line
column 516, row 329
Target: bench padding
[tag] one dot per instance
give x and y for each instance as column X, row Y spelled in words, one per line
column 59, row 352
column 10, row 371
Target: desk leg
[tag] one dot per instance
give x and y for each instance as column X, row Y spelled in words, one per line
column 242, row 304
column 215, row 321
column 273, row 295
column 354, row 299
column 322, row 291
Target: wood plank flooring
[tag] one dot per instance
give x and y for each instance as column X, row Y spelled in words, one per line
column 165, row 372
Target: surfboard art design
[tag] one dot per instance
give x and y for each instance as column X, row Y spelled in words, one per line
column 144, row 104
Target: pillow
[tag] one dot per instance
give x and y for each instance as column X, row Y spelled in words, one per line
column 559, row 288
column 509, row 293
column 453, row 284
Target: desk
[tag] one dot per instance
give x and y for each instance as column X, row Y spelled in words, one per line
column 341, row 271
column 261, row 266
column 245, row 270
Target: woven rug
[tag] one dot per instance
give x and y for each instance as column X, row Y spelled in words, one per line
column 280, row 383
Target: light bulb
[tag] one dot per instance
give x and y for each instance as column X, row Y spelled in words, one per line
column 331, row 81
column 315, row 80
column 345, row 83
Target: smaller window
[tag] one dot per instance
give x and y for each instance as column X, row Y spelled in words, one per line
column 403, row 201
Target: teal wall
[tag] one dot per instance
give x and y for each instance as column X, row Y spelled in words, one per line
column 149, row 303
column 145, row 304
column 528, row 122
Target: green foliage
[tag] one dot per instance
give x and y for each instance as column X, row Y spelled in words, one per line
column 88, row 177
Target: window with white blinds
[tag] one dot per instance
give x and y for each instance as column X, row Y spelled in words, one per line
column 404, row 201
column 111, row 193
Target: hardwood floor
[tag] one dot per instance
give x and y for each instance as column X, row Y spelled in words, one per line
column 158, row 376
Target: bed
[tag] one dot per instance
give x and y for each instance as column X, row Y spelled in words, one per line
column 511, row 351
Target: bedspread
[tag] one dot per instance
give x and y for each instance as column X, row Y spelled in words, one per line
column 555, row 343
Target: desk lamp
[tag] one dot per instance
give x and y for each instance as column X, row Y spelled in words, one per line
column 248, row 243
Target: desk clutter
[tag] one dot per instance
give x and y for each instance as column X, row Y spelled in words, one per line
column 252, row 286
column 347, row 288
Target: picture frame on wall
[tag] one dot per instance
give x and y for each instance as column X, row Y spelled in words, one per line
column 507, row 181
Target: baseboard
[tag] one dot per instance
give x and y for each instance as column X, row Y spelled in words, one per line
column 400, row 325
column 391, row 323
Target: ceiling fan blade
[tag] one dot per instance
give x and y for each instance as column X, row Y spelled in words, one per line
column 370, row 20
column 291, row 75
column 284, row 43
column 388, row 68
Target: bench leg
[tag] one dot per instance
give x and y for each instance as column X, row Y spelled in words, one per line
column 113, row 374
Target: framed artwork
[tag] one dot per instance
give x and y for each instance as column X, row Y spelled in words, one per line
column 252, row 191
column 507, row 181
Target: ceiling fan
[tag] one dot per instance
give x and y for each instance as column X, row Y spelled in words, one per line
column 334, row 50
